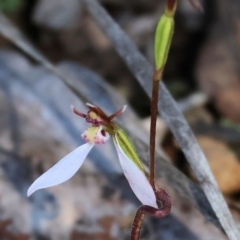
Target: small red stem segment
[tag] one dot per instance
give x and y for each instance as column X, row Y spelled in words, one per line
column 171, row 4
column 165, row 209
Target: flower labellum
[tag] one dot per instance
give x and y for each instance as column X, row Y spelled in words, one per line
column 101, row 128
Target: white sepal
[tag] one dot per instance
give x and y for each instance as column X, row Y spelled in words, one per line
column 136, row 178
column 63, row 170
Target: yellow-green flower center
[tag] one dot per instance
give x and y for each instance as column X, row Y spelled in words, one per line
column 95, row 135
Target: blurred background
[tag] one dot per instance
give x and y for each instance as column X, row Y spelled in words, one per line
column 37, row 127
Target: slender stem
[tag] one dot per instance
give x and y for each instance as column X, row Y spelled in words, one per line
column 154, row 113
column 137, row 223
column 161, row 195
column 165, row 209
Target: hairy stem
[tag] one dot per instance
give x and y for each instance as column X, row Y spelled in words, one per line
column 165, row 209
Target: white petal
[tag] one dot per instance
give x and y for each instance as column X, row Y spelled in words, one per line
column 63, row 170
column 137, row 179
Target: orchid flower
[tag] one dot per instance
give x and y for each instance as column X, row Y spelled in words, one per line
column 101, row 128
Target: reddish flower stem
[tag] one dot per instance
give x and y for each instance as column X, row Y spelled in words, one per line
column 161, row 195
column 154, row 113
column 165, row 209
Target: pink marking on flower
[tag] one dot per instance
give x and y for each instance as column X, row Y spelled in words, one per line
column 95, row 135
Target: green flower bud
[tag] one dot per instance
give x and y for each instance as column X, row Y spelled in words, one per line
column 163, row 37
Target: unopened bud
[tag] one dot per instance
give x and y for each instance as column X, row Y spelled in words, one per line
column 163, row 35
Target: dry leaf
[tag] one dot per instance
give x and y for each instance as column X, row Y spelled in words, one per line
column 223, row 162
